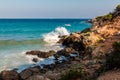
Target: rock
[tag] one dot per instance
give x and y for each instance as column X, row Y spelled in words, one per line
column 86, row 30
column 110, row 75
column 46, row 54
column 29, row 72
column 62, row 38
column 33, row 52
column 41, row 54
column 75, row 41
column 9, row 75
column 37, row 77
column 26, row 74
column 49, row 66
column 66, row 52
column 35, row 60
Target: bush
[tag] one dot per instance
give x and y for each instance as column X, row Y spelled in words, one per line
column 105, row 17
column 118, row 7
column 116, row 46
column 108, row 17
column 74, row 74
column 113, row 59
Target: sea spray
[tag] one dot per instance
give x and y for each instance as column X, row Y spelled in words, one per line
column 53, row 36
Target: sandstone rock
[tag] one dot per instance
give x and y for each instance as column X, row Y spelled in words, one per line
column 9, row 75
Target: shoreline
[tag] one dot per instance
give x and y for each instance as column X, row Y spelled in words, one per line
column 87, row 54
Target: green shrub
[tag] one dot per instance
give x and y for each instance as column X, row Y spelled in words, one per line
column 108, row 17
column 74, row 74
column 118, row 7
column 116, row 46
column 113, row 59
column 105, row 17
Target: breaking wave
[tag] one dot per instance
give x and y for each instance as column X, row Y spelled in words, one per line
column 53, row 36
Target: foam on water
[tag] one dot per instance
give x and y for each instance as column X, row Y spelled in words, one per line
column 53, row 36
column 19, row 36
column 12, row 60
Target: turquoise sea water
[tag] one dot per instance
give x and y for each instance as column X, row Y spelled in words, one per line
column 20, row 35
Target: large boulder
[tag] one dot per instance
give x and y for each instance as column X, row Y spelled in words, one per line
column 9, row 75
column 75, row 41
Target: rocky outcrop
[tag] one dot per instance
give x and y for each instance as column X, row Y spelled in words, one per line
column 9, row 75
column 75, row 41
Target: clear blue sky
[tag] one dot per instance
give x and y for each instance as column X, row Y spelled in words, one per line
column 55, row 8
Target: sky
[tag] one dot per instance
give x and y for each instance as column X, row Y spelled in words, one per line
column 56, row 8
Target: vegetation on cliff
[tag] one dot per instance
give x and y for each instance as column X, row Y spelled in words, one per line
column 112, row 60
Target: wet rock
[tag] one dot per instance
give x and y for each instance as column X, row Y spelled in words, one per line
column 66, row 52
column 29, row 72
column 62, row 38
column 49, row 66
column 35, row 60
column 33, row 52
column 46, row 54
column 9, row 75
column 41, row 54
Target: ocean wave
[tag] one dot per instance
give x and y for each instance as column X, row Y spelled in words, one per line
column 53, row 36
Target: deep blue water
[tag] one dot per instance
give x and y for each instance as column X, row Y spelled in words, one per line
column 20, row 35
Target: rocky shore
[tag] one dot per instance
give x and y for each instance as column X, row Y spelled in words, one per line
column 87, row 55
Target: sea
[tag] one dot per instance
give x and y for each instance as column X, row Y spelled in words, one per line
column 17, row 36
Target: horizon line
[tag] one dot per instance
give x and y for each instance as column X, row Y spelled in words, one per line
column 45, row 18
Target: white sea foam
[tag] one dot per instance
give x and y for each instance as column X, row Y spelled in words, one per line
column 67, row 24
column 12, row 60
column 53, row 36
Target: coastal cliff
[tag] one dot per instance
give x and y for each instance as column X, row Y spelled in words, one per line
column 86, row 54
